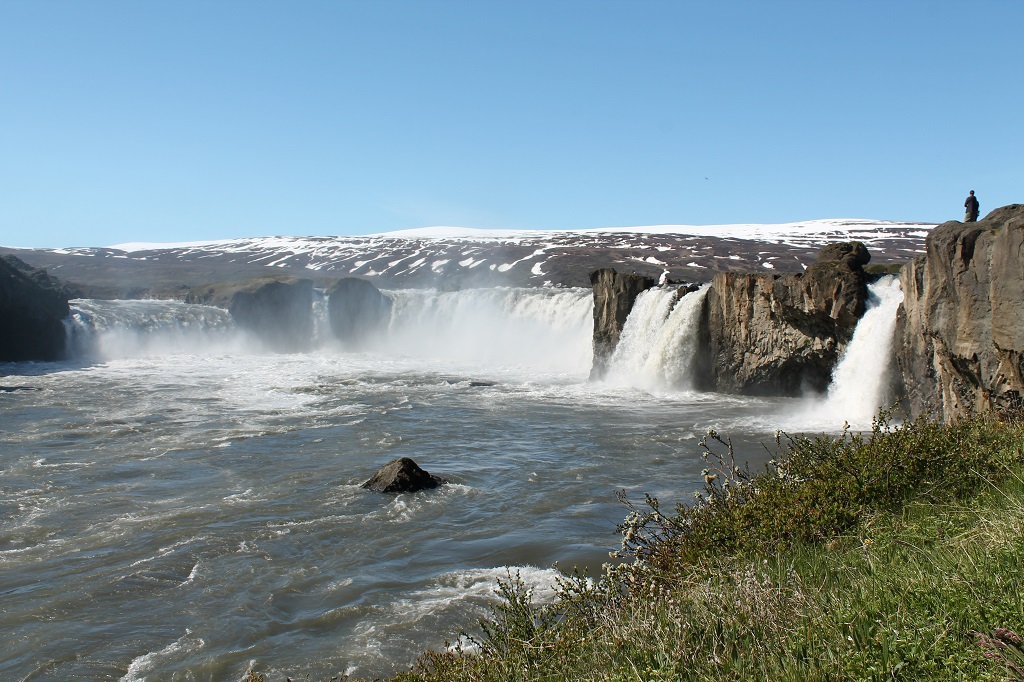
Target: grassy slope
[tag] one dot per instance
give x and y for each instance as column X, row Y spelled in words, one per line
column 898, row 555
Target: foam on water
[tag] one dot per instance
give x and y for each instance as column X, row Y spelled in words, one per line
column 466, row 593
column 154, row 662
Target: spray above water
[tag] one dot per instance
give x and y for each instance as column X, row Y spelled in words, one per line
column 546, row 330
column 123, row 329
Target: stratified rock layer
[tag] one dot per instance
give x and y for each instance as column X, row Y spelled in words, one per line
column 782, row 334
column 614, row 296
column 358, row 311
column 33, row 306
column 961, row 330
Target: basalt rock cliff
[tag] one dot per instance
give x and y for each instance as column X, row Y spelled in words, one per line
column 280, row 313
column 760, row 334
column 782, row 334
column 960, row 332
column 33, row 306
column 277, row 310
column 358, row 311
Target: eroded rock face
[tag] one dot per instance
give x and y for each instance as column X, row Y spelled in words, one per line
column 33, row 306
column 279, row 313
column 960, row 332
column 614, row 296
column 402, row 475
column 782, row 334
column 358, row 311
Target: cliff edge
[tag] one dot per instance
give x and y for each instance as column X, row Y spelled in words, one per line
column 782, row 334
column 960, row 333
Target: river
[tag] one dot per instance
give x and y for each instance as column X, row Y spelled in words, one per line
column 178, row 503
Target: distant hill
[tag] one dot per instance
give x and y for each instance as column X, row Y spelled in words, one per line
column 451, row 258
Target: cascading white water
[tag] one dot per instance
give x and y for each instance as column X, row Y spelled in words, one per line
column 117, row 329
column 543, row 329
column 859, row 379
column 547, row 329
column 321, row 318
column 659, row 341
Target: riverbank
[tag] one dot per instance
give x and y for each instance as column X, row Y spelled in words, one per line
column 898, row 553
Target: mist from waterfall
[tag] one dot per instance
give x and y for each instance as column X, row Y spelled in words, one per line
column 544, row 329
column 106, row 330
column 547, row 330
column 658, row 345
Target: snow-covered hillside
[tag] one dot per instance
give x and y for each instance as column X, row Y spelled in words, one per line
column 459, row 257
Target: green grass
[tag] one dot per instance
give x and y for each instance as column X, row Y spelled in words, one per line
column 884, row 269
column 897, row 555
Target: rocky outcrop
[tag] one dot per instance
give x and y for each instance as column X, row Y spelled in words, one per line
column 280, row 313
column 33, row 306
column 960, row 333
column 278, row 310
column 782, row 334
column 402, row 475
column 614, row 295
column 358, row 311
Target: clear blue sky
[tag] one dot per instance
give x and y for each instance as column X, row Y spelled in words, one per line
column 179, row 120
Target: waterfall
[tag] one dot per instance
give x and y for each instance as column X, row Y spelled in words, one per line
column 859, row 380
column 529, row 328
column 321, row 318
column 658, row 345
column 113, row 329
column 526, row 327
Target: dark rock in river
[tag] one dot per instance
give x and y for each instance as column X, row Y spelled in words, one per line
column 960, row 333
column 782, row 334
column 33, row 306
column 402, row 475
column 614, row 296
column 358, row 311
column 280, row 313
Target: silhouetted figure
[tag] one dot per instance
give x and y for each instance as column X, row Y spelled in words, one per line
column 972, row 207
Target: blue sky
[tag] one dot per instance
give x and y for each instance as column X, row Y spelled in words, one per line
column 172, row 121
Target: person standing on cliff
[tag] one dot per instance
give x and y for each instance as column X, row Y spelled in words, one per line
column 972, row 207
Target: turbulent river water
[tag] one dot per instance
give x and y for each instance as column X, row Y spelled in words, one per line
column 179, row 504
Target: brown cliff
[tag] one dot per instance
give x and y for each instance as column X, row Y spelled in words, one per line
column 782, row 334
column 960, row 334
